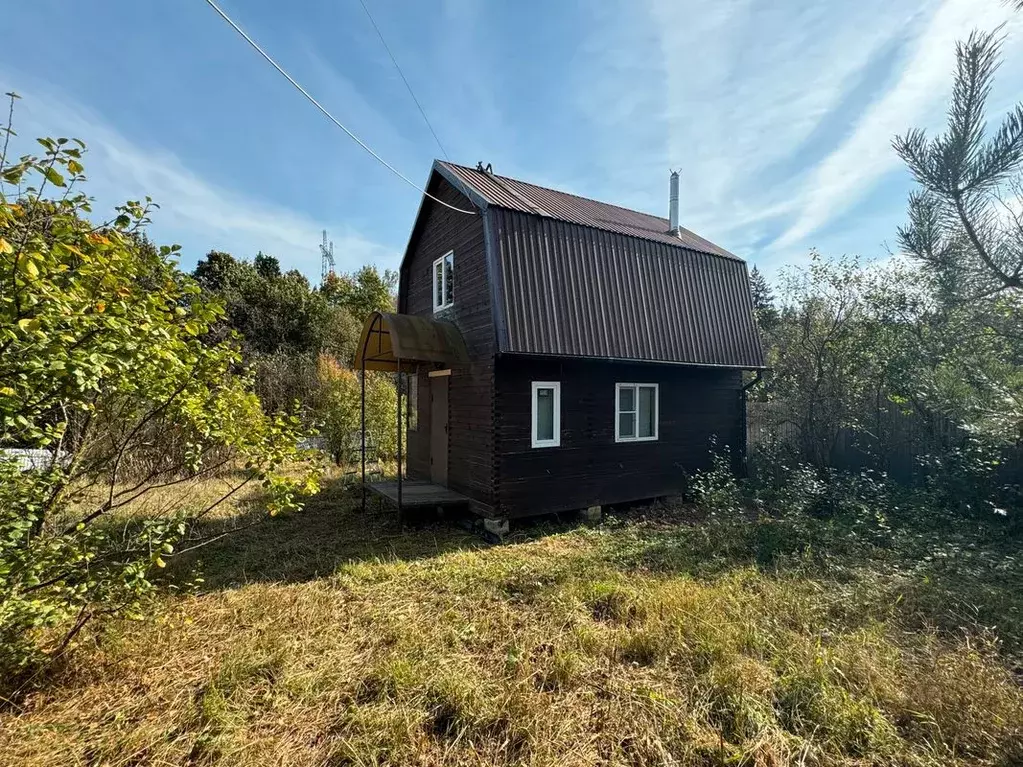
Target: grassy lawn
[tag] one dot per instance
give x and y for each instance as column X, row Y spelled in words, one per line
column 330, row 638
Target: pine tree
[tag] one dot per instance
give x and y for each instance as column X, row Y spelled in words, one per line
column 964, row 222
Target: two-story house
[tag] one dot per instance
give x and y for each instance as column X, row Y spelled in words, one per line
column 562, row 353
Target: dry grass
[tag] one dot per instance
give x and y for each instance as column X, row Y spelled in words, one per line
column 332, row 639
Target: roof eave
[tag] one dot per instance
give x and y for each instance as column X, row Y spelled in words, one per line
column 638, row 361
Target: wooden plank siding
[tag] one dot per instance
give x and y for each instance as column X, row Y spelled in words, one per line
column 699, row 407
column 471, row 392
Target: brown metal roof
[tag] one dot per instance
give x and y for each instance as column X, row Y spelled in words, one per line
column 568, row 290
column 528, row 198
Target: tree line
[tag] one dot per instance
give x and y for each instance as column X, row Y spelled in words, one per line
column 937, row 329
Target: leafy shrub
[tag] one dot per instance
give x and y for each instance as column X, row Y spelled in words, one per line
column 338, row 410
column 967, row 479
column 105, row 362
column 778, row 511
column 783, row 484
column 717, row 490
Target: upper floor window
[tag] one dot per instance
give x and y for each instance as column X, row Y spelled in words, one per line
column 546, row 413
column 636, row 413
column 444, row 281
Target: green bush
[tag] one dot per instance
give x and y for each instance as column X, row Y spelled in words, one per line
column 967, row 479
column 106, row 362
column 790, row 508
column 717, row 490
column 339, row 413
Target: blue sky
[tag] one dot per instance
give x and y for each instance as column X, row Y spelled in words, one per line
column 780, row 114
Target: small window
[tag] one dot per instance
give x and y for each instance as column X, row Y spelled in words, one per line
column 444, row 281
column 546, row 413
column 413, row 402
column 635, row 412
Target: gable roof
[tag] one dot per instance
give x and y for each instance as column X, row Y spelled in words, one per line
column 518, row 195
column 572, row 277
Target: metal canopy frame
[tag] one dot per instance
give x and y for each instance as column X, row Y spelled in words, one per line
column 400, row 343
column 400, row 369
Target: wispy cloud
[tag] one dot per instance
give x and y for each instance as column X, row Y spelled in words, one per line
column 732, row 87
column 780, row 115
column 195, row 212
column 920, row 90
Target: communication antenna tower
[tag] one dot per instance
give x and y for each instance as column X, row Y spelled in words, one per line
column 326, row 258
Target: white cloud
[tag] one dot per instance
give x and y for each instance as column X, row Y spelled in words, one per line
column 923, row 86
column 780, row 115
column 197, row 213
column 733, row 88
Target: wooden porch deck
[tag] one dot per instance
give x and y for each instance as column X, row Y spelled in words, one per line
column 418, row 493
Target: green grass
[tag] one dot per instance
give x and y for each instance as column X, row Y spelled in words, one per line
column 330, row 638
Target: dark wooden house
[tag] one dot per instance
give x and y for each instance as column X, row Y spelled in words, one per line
column 562, row 353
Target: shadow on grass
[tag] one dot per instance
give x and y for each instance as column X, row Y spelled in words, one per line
column 331, row 530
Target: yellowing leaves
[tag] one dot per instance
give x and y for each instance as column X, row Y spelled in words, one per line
column 62, row 352
column 28, row 266
column 72, row 249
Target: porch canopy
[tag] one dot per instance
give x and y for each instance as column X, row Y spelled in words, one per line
column 391, row 339
column 398, row 343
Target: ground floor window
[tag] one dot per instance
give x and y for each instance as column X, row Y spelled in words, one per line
column 546, row 413
column 636, row 415
column 412, row 403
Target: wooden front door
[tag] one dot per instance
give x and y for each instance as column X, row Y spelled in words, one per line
column 439, row 430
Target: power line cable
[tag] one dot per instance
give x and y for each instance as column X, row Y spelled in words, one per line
column 403, row 78
column 329, row 116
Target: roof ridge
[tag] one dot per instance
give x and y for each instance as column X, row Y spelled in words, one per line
column 556, row 191
column 526, row 197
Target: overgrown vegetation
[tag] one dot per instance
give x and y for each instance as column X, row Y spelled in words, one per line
column 338, row 406
column 802, row 615
column 300, row 342
column 935, row 334
column 103, row 365
column 127, row 376
column 832, row 626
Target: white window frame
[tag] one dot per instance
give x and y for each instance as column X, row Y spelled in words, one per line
column 635, row 398
column 445, row 275
column 556, row 386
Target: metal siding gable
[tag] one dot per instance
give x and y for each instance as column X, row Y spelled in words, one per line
column 494, row 277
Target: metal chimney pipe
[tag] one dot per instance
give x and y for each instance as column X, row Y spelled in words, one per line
column 673, row 203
